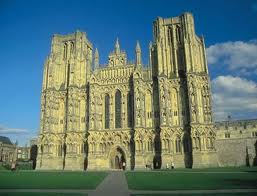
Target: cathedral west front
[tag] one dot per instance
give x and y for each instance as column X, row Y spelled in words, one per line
column 125, row 113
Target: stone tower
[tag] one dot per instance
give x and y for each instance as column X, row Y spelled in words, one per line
column 182, row 91
column 63, row 103
column 127, row 111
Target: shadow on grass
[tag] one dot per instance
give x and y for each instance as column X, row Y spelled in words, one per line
column 250, row 171
column 243, row 184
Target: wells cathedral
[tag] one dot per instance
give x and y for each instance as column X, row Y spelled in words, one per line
column 126, row 113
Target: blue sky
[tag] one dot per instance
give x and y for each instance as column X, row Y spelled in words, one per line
column 229, row 28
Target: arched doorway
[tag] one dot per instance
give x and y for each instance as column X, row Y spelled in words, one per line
column 117, row 158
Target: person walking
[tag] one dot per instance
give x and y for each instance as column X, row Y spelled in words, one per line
column 123, row 165
column 172, row 165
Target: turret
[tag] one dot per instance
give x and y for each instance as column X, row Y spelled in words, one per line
column 96, row 60
column 150, row 53
column 138, row 55
column 117, row 47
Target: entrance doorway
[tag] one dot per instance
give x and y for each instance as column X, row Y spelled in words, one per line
column 118, row 159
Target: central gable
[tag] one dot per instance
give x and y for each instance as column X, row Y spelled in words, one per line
column 117, row 57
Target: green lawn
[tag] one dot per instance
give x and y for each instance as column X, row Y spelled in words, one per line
column 220, row 178
column 2, row 168
column 201, row 194
column 50, row 180
column 215, row 169
column 43, row 194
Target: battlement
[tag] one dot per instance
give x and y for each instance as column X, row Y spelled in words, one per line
column 236, row 124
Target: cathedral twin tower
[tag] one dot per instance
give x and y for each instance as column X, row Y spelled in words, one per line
column 125, row 112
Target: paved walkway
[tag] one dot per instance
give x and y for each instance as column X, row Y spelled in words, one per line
column 121, row 193
column 115, row 184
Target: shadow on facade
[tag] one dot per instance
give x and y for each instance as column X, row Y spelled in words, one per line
column 64, row 155
column 247, row 158
column 131, row 123
column 187, row 139
column 255, row 158
column 33, row 155
column 157, row 160
column 86, row 148
column 187, row 146
column 86, row 155
column 132, row 152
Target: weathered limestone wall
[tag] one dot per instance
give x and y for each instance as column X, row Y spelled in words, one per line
column 49, row 163
column 236, row 142
column 236, row 152
column 205, row 159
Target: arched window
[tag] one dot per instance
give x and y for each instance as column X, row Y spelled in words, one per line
column 167, row 144
column 129, row 107
column 174, row 105
column 150, row 147
column 148, row 108
column 104, row 147
column 210, row 143
column 82, row 148
column 107, row 111
column 65, row 51
column 101, row 147
column 118, row 109
column 163, row 144
column 137, row 146
column 178, row 34
column 71, row 48
column 197, row 142
column 178, row 145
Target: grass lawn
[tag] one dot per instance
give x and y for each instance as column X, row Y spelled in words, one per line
column 220, row 178
column 215, row 169
column 201, row 194
column 50, row 180
column 43, row 194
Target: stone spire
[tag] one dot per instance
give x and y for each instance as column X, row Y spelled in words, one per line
column 150, row 54
column 138, row 54
column 96, row 59
column 117, row 47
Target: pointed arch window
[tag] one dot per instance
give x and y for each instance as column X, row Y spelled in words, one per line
column 65, row 50
column 178, row 34
column 129, row 107
column 118, row 109
column 107, row 111
column 178, row 145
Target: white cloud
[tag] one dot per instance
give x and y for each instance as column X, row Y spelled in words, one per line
column 234, row 96
column 23, row 136
column 7, row 130
column 240, row 56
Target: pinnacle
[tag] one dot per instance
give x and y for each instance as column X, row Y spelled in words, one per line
column 117, row 46
column 138, row 48
column 96, row 52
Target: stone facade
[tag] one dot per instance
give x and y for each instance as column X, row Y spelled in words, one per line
column 237, row 143
column 97, row 117
column 7, row 150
